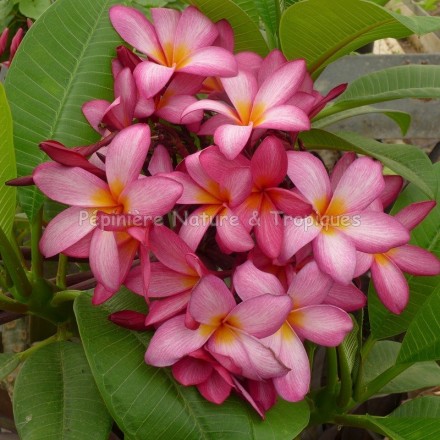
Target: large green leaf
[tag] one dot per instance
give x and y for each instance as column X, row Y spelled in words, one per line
column 389, row 84
column 242, row 16
column 426, row 235
column 383, row 355
column 55, row 397
column 7, row 166
column 407, row 160
column 147, row 403
column 8, row 363
column 269, row 13
column 33, row 8
column 322, row 31
column 63, row 62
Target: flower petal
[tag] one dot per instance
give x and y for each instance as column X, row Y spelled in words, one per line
column 215, row 106
column 190, row 371
column 341, row 167
column 414, row 260
column 283, row 117
column 232, row 139
column 413, row 214
column 209, row 127
column 391, row 286
column 165, row 281
column 335, row 255
column 393, row 186
column 211, row 301
column 126, row 156
column 348, row 298
column 322, row 324
column 260, row 316
column 215, row 389
column 136, row 30
column 250, row 282
column 165, row 24
column 66, row 229
column 125, row 89
column 363, row 263
column 164, row 309
column 193, row 194
column 358, row 187
column 151, row 78
column 271, row 63
column 94, row 111
column 89, row 191
column 160, row 161
column 236, row 185
column 174, row 107
column 101, row 295
column 172, row 341
column 289, row 202
column 375, row 232
column 309, row 175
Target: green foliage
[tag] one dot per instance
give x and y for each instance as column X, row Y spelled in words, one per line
column 146, row 402
column 8, row 363
column 338, row 28
column 33, row 8
column 426, row 235
column 56, row 397
column 7, row 166
column 52, row 76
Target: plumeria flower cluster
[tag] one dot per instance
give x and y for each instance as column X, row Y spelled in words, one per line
column 196, row 199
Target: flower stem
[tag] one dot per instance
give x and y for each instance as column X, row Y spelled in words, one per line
column 62, row 272
column 11, row 305
column 36, row 257
column 346, row 381
column 332, row 370
column 357, row 422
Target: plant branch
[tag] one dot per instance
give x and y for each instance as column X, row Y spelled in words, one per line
column 357, row 422
column 36, row 257
column 61, row 281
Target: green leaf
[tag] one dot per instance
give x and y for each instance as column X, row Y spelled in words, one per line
column 8, row 363
column 387, row 85
column 268, row 11
column 426, row 235
column 383, row 355
column 342, row 27
column 240, row 15
column 147, row 403
column 33, row 8
column 407, row 160
column 55, row 397
column 349, row 347
column 422, row 340
column 7, row 166
column 415, row 420
column 402, row 119
column 63, row 62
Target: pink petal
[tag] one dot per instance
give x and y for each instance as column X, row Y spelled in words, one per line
column 260, row 316
column 151, row 196
column 263, row 393
column 309, row 175
column 310, row 286
column 114, row 117
column 375, row 232
column 211, row 301
column 348, row 298
column 283, row 117
column 209, row 127
column 151, row 78
column 101, row 295
column 55, row 181
column 104, row 259
column 289, row 202
column 209, row 61
column 125, row 88
column 193, row 194
column 160, row 161
column 335, row 255
column 81, row 249
column 129, row 319
column 172, row 341
column 341, row 167
column 391, row 286
column 165, row 282
column 413, row 214
column 136, row 30
column 289, row 349
column 195, row 226
column 254, row 359
column 144, row 108
column 232, row 139
column 241, row 90
column 297, row 233
column 236, row 185
column 249, row 61
column 271, row 63
column 250, row 282
column 358, row 187
column 190, row 371
column 66, row 229
column 199, row 174
column 269, row 163
column 94, row 111
column 322, row 324
column 363, row 263
column 164, row 309
column 414, row 260
column 165, row 24
column 126, row 156
column 231, row 233
column 174, row 107
column 215, row 389
column 215, row 106
column 281, row 85
column 393, row 186
column 225, row 36
column 269, row 231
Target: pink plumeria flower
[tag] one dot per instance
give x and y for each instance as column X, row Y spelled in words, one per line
column 387, row 268
column 263, row 207
column 219, row 185
column 103, row 115
column 173, row 277
column 341, row 224
column 228, row 331
column 254, row 107
column 309, row 319
column 75, row 232
column 178, row 42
